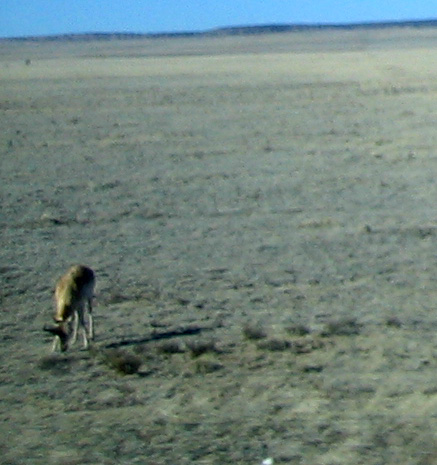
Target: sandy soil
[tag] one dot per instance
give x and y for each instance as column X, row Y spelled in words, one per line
column 261, row 216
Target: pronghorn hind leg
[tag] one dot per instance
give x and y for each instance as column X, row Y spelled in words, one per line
column 91, row 326
column 81, row 318
column 90, row 305
column 74, row 327
column 91, row 333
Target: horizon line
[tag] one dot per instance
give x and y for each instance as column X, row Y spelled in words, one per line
column 232, row 30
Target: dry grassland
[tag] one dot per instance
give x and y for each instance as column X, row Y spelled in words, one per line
column 261, row 216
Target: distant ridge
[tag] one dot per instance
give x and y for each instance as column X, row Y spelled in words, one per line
column 229, row 31
column 278, row 28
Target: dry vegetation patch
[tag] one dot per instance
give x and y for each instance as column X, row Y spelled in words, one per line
column 122, row 361
column 57, row 364
column 254, row 331
column 199, row 347
column 261, row 230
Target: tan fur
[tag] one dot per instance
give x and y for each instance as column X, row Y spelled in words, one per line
column 73, row 291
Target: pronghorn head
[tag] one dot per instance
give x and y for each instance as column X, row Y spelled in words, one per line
column 59, row 331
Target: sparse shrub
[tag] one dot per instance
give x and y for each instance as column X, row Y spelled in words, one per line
column 305, row 345
column 254, row 331
column 394, row 322
column 344, row 327
column 141, row 349
column 316, row 223
column 170, row 347
column 207, row 365
column 198, row 348
column 122, row 361
column 55, row 362
column 274, row 345
column 298, row 330
column 312, row 368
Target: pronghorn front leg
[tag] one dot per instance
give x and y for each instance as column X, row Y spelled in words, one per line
column 56, row 343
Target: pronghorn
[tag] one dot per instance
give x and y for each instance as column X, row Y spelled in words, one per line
column 73, row 291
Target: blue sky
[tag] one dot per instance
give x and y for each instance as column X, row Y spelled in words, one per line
column 45, row 17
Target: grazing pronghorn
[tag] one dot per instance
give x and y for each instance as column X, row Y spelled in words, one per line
column 73, row 291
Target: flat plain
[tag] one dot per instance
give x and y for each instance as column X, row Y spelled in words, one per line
column 260, row 212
